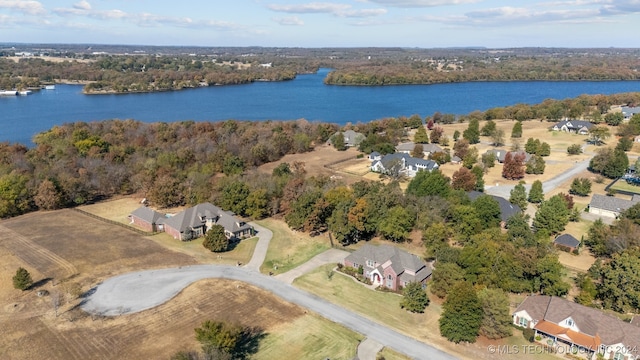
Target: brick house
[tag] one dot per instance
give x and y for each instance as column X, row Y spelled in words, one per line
column 147, row 219
column 388, row 266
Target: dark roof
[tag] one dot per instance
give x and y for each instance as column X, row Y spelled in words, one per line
column 403, row 263
column 590, row 321
column 147, row 214
column 574, row 124
column 611, row 203
column 567, row 240
column 231, row 223
column 507, row 209
column 387, row 161
column 193, row 217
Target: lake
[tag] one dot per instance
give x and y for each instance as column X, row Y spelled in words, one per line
column 305, row 97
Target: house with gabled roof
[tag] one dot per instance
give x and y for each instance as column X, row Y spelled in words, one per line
column 507, row 209
column 610, row 206
column 573, row 126
column 567, row 242
column 351, row 138
column 402, row 163
column 629, row 111
column 388, row 266
column 147, row 219
column 427, row 149
column 193, row 222
column 567, row 323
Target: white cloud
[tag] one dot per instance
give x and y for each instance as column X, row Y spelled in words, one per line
column 82, row 5
column 422, row 3
column 27, row 7
column 340, row 10
column 289, row 21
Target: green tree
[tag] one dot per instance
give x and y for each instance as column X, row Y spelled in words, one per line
column 232, row 165
column 338, row 223
column 257, row 204
column 338, row 141
column 219, row 336
column 574, row 149
column 301, row 208
column 418, row 151
column 550, row 276
column 516, row 131
column 497, row 137
column 283, row 169
column 466, row 221
column 462, row 314
column 614, row 119
column 611, row 163
column 619, row 287
column 233, row 196
column 588, row 291
column 472, row 133
column 489, row 128
column 598, row 134
column 544, row 149
column 552, row 216
column 532, row 146
column 519, row 232
column 456, row 135
column 434, row 238
column 215, row 240
column 518, row 196
column 421, row 136
column 14, row 195
column 429, row 183
column 536, row 195
column 479, row 173
column 597, row 237
column 471, row 158
column 535, row 165
column 496, row 320
column 414, row 298
column 625, row 143
column 445, row 275
column 22, row 279
column 396, row 224
column 580, row 187
column 488, row 211
column 488, row 159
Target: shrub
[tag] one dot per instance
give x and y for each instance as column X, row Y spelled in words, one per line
column 22, row 279
column 529, row 334
column 574, row 149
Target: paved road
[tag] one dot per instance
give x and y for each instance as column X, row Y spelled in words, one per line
column 368, row 349
column 260, row 252
column 330, row 256
column 547, row 186
column 138, row 291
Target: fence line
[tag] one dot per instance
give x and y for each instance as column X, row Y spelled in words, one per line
column 112, row 222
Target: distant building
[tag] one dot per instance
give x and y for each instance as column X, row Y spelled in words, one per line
column 403, row 164
column 628, row 112
column 610, row 206
column 427, row 149
column 567, row 242
column 573, row 126
column 351, row 138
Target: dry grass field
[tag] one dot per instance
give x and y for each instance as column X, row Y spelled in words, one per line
column 68, row 253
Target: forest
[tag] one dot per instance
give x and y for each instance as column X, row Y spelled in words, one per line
column 122, row 69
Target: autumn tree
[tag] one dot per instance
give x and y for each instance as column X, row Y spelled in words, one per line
column 22, row 279
column 215, row 239
column 496, row 319
column 48, row 196
column 437, row 135
column 414, row 298
column 463, row 179
column 462, row 314
column 461, row 148
column 444, row 277
column 513, row 166
column 421, row 136
column 418, row 151
column 497, row 137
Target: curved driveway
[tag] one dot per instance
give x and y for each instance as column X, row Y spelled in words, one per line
column 138, row 291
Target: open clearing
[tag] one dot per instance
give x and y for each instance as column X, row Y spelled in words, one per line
column 385, row 308
column 289, row 248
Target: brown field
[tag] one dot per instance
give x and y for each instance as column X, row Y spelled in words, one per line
column 316, row 160
column 68, row 253
column 358, row 167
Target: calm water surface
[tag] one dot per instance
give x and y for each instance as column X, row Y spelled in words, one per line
column 305, row 97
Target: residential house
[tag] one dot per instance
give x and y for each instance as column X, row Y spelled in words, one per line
column 573, row 126
column 501, row 154
column 351, row 138
column 628, row 112
column 147, row 219
column 388, row 266
column 193, row 222
column 610, row 206
column 402, row 164
column 427, row 149
column 566, row 323
column 507, row 209
column 567, row 242
column 375, row 156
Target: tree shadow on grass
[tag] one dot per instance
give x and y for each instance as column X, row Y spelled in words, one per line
column 249, row 342
column 39, row 283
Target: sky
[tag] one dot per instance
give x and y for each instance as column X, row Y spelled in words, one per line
column 333, row 23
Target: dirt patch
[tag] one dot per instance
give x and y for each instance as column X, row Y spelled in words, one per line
column 152, row 334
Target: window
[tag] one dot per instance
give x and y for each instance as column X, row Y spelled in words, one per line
column 523, row 322
column 618, row 356
column 389, row 277
column 370, row 263
column 569, row 322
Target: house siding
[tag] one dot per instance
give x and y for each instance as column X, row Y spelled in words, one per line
column 145, row 225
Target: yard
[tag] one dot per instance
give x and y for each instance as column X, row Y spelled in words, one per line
column 384, row 308
column 289, row 248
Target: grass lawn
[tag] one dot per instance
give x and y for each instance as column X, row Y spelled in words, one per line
column 288, row 248
column 241, row 253
column 622, row 185
column 115, row 210
column 385, row 308
column 389, row 354
column 309, row 337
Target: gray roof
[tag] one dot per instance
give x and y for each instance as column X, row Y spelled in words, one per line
column 149, row 215
column 574, row 124
column 351, row 138
column 230, row 223
column 387, row 161
column 401, row 261
column 501, row 154
column 507, row 209
column 626, row 110
column 193, row 217
column 567, row 240
column 427, row 148
column 611, row 203
column 590, row 321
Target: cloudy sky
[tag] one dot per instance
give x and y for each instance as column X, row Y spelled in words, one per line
column 340, row 23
